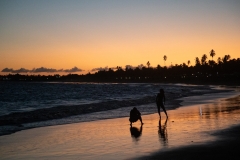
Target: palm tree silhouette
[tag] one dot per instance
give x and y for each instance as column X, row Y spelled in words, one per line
column 226, row 58
column 164, row 58
column 188, row 62
column 219, row 60
column 148, row 64
column 212, row 53
column 197, row 61
column 204, row 58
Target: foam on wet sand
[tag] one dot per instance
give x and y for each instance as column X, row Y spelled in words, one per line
column 186, row 134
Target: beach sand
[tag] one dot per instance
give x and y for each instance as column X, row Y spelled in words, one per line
column 226, row 147
column 193, row 131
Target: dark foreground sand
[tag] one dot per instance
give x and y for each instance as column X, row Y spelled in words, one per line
column 227, row 147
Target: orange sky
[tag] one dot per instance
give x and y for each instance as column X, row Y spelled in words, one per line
column 95, row 34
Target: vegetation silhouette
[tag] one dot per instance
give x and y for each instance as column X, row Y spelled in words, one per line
column 148, row 64
column 189, row 62
column 224, row 71
column 164, row 58
column 212, row 53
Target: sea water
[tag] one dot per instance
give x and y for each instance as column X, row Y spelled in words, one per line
column 25, row 97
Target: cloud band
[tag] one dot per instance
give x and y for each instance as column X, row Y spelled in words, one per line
column 41, row 70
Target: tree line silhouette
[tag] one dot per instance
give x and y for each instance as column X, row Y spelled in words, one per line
column 223, row 71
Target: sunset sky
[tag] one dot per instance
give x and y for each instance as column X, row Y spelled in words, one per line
column 81, row 36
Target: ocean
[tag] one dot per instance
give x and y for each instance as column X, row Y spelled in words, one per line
column 26, row 105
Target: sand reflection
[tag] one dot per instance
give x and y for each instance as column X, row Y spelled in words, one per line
column 162, row 131
column 196, row 123
column 136, row 132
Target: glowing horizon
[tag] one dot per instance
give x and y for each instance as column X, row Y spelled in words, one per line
column 93, row 34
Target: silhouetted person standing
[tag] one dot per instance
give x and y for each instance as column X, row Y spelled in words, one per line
column 160, row 100
column 134, row 116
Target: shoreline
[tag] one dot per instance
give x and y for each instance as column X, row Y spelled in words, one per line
column 111, row 139
column 16, row 121
column 219, row 82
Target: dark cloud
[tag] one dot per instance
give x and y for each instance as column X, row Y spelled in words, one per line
column 74, row 69
column 21, row 70
column 7, row 70
column 140, row 66
column 100, row 69
column 41, row 70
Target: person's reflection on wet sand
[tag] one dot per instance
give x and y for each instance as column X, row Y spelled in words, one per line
column 162, row 131
column 136, row 132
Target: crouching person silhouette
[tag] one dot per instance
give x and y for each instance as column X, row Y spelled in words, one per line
column 135, row 115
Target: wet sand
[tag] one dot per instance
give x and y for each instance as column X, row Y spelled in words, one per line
column 226, row 147
column 194, row 131
column 225, row 142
